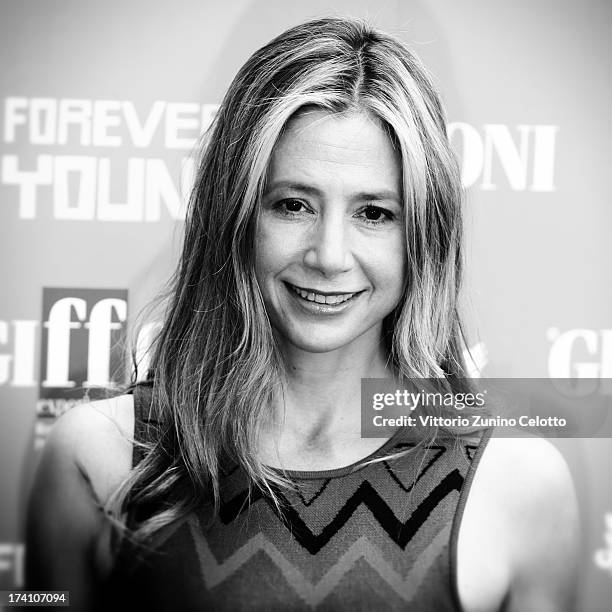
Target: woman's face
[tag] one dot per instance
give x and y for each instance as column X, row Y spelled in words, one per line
column 330, row 246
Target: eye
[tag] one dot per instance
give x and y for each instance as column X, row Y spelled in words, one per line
column 290, row 207
column 375, row 215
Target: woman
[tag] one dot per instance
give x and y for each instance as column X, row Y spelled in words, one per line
column 322, row 246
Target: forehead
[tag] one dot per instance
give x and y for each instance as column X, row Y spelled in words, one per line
column 326, row 147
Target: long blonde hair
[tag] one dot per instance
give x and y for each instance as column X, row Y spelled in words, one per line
column 215, row 365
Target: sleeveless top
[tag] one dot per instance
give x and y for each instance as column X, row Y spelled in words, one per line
column 377, row 537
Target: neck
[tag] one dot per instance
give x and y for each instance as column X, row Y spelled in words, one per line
column 322, row 391
column 316, row 421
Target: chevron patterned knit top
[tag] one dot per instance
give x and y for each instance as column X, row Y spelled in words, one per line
column 377, row 537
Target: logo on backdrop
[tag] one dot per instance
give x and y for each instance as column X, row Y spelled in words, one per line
column 65, row 356
column 583, row 354
column 500, row 157
column 82, row 349
column 72, row 179
column 80, row 181
column 11, row 565
column 580, row 353
column 83, row 338
column 603, row 556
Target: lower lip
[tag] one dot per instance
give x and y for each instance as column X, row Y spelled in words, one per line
column 322, row 309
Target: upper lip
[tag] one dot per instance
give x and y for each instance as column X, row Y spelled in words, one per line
column 319, row 292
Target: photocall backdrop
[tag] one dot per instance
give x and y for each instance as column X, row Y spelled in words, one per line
column 102, row 105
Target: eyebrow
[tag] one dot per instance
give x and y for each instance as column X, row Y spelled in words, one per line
column 384, row 194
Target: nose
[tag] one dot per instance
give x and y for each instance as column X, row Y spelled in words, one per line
column 329, row 251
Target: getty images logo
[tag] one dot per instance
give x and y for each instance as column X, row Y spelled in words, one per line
column 82, row 340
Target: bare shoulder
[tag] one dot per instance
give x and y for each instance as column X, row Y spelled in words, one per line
column 534, row 494
column 97, row 437
column 86, row 457
column 532, row 474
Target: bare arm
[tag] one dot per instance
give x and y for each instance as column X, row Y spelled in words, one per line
column 85, row 457
column 544, row 517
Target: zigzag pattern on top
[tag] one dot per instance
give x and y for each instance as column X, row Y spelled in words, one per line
column 438, row 451
column 240, row 502
column 364, row 538
column 399, row 532
column 313, row 593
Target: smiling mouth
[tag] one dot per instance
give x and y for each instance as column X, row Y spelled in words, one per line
column 322, row 298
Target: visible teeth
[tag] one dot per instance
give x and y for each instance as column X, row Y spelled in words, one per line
column 323, row 299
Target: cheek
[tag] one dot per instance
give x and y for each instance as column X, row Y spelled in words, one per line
column 394, row 280
column 387, row 265
column 275, row 249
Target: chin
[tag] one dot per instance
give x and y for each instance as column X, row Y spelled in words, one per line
column 315, row 345
column 318, row 340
